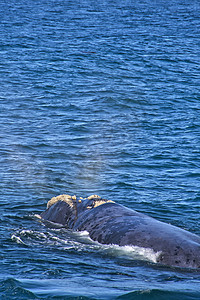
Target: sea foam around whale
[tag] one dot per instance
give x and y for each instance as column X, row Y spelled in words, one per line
column 80, row 241
column 131, row 252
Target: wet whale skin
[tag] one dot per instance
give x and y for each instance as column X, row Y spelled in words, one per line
column 112, row 223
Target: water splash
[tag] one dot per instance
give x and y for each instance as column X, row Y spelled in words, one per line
column 80, row 241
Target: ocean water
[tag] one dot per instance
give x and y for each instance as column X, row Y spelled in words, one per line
column 97, row 97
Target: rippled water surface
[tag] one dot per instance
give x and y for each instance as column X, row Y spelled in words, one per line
column 97, row 97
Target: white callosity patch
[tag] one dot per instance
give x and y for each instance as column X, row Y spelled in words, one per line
column 97, row 200
column 66, row 198
column 93, row 197
column 70, row 200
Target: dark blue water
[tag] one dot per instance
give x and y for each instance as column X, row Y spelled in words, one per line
column 96, row 97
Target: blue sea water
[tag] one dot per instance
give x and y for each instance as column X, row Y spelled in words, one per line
column 97, row 97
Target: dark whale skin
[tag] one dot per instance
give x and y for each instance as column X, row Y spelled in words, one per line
column 112, row 223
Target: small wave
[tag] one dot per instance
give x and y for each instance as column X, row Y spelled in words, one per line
column 17, row 239
column 132, row 252
column 13, row 289
column 140, row 253
column 159, row 294
column 33, row 233
column 30, row 237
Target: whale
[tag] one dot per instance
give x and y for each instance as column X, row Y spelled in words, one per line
column 110, row 223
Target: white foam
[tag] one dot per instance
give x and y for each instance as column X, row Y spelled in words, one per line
column 131, row 252
column 17, row 239
column 84, row 233
column 33, row 233
column 139, row 252
column 81, row 241
column 37, row 216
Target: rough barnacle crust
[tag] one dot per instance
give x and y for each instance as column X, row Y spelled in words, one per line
column 93, row 197
column 70, row 200
column 97, row 201
column 66, row 198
